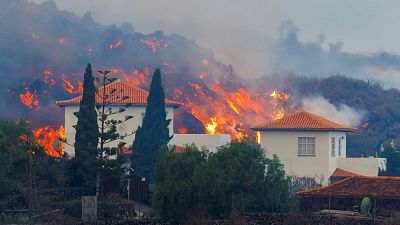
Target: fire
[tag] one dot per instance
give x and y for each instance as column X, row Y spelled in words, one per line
column 136, row 77
column 258, row 137
column 211, row 127
column 278, row 101
column 69, row 87
column 29, row 99
column 116, row 44
column 48, row 78
column 202, row 75
column 50, row 139
column 183, row 130
column 154, row 43
column 205, row 62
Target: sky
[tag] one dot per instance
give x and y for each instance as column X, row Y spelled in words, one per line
column 231, row 27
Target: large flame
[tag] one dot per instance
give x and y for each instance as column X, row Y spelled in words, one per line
column 70, row 87
column 212, row 126
column 278, row 101
column 50, row 139
column 29, row 99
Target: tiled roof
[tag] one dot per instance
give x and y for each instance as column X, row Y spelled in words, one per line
column 358, row 187
column 343, row 173
column 302, row 121
column 134, row 95
column 179, row 149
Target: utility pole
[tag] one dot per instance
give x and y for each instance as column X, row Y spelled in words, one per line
column 30, row 175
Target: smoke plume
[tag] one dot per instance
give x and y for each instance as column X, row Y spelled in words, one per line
column 342, row 114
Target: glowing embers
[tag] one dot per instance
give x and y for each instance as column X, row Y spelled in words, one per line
column 154, row 43
column 116, row 44
column 29, row 99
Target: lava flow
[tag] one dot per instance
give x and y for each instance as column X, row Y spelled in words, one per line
column 50, row 139
column 29, row 99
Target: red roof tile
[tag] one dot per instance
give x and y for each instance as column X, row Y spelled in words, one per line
column 343, row 173
column 358, row 187
column 135, row 95
column 179, row 149
column 302, row 121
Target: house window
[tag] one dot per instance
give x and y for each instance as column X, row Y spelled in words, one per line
column 340, row 148
column 306, row 146
column 333, row 147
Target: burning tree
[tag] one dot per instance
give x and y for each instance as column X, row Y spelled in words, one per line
column 154, row 132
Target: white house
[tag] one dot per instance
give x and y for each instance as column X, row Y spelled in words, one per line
column 137, row 98
column 310, row 146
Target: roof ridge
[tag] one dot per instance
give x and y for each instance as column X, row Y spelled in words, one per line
column 325, row 187
column 303, row 120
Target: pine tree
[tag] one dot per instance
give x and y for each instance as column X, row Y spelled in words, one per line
column 86, row 137
column 153, row 133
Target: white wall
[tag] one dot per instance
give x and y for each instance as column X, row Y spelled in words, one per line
column 363, row 166
column 285, row 145
column 333, row 160
column 209, row 141
column 122, row 129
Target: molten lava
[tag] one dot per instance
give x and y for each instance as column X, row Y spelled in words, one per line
column 29, row 99
column 116, row 44
column 154, row 43
column 69, row 87
column 51, row 139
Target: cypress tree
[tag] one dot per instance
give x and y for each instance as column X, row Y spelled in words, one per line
column 153, row 133
column 86, row 137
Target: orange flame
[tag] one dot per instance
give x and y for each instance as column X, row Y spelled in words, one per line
column 29, row 99
column 49, row 138
column 205, row 62
column 278, row 99
column 69, row 87
column 154, row 43
column 211, row 127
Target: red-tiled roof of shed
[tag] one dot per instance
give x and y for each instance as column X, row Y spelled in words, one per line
column 134, row 95
column 343, row 173
column 302, row 121
column 358, row 187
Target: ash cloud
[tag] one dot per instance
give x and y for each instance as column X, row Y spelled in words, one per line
column 343, row 114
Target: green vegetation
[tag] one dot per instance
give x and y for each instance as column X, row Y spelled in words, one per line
column 86, row 138
column 392, row 155
column 14, row 160
column 235, row 179
column 153, row 133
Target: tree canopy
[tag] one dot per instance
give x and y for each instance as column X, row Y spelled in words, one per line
column 235, row 179
column 153, row 133
column 86, row 137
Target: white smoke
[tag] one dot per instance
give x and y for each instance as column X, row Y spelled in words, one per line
column 343, row 114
